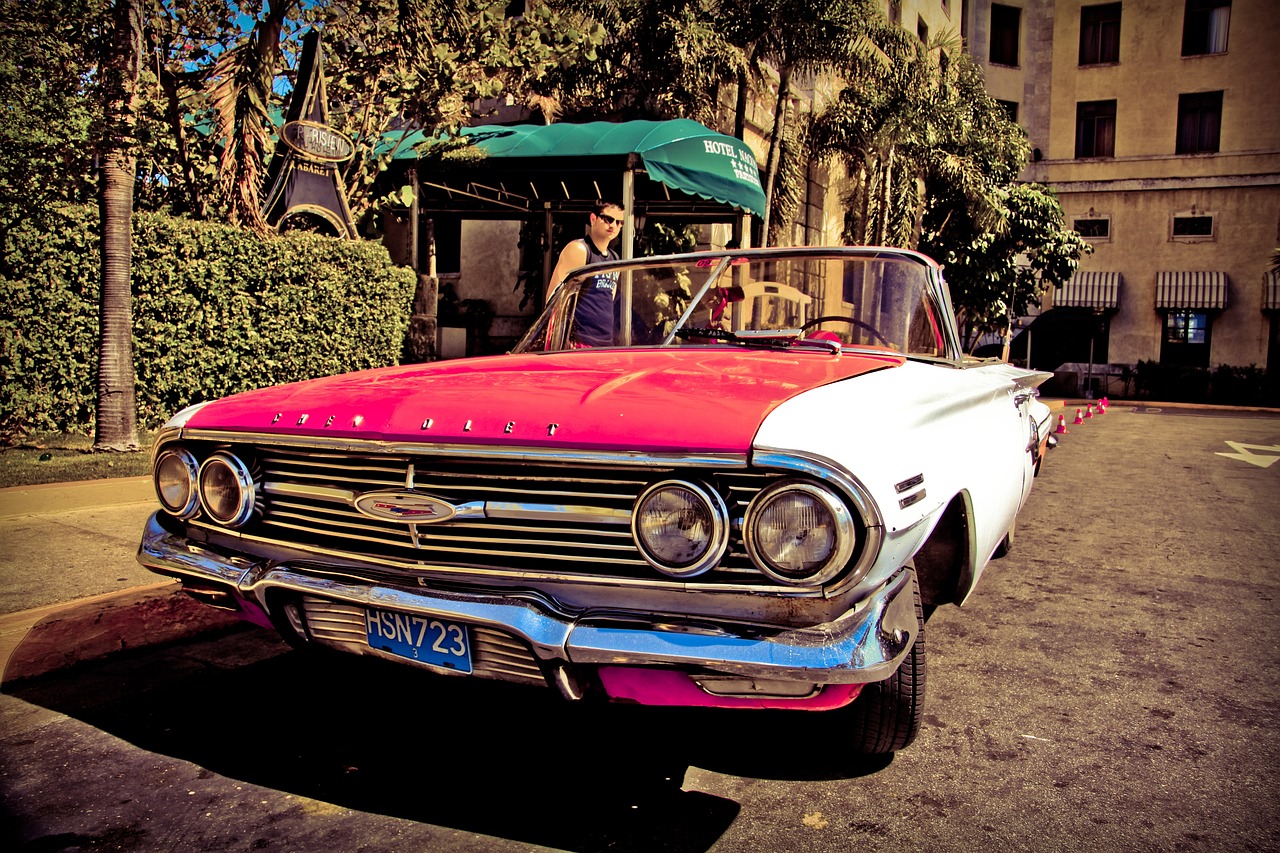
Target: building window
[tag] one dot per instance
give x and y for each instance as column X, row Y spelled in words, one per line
column 1186, row 339
column 1193, row 227
column 1100, row 34
column 922, row 30
column 1010, row 108
column 1096, row 129
column 1204, row 27
column 1005, row 21
column 1093, row 228
column 1199, row 123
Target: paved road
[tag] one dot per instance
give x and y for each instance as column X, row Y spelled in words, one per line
column 1111, row 685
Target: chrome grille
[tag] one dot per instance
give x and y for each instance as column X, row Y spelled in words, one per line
column 309, row 494
column 494, row 654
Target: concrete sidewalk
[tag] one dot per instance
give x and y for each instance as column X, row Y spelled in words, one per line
column 71, row 588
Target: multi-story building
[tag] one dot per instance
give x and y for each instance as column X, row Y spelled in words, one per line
column 1156, row 123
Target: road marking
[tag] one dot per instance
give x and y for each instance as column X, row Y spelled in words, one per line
column 1242, row 453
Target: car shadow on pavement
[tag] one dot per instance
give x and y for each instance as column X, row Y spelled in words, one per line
column 496, row 759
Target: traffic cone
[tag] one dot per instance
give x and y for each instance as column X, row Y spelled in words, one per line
column 1079, row 417
column 1104, row 403
column 1062, row 425
column 1088, row 413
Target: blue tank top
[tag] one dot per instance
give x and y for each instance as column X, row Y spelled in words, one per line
column 595, row 319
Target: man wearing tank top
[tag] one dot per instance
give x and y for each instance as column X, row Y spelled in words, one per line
column 594, row 320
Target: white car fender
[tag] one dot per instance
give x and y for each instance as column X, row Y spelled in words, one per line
column 959, row 429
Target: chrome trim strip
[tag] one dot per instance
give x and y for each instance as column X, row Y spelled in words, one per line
column 865, row 644
column 556, row 512
column 824, row 469
column 499, row 453
column 345, row 560
column 319, row 493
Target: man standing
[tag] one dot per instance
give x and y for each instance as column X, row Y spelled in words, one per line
column 594, row 316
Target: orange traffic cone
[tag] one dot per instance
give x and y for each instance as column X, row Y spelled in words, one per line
column 1088, row 413
column 1079, row 418
column 1103, row 403
column 1062, row 425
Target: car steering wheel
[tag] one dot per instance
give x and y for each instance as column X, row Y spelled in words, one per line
column 836, row 318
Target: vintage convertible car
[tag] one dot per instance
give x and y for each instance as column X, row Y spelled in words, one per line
column 737, row 479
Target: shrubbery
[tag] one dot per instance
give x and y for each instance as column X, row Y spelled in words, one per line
column 1223, row 385
column 216, row 310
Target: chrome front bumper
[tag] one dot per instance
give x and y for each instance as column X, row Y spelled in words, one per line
column 866, row 644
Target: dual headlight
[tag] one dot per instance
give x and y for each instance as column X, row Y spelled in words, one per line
column 223, row 486
column 795, row 532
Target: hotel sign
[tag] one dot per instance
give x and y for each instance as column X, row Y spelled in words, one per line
column 317, row 141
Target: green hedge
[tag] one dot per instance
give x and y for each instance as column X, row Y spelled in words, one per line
column 216, row 310
column 1224, row 385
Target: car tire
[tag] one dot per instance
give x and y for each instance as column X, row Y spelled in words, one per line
column 886, row 715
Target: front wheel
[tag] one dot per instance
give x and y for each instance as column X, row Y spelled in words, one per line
column 886, row 715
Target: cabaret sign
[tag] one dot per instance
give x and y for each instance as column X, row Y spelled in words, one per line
column 318, row 142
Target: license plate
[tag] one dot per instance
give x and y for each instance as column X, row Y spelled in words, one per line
column 435, row 642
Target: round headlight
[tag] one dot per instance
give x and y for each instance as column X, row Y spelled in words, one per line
column 799, row 533
column 227, row 490
column 174, row 477
column 681, row 528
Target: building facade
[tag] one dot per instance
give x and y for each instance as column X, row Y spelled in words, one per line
column 1156, row 123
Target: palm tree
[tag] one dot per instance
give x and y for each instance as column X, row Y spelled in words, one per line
column 116, row 426
column 793, row 37
column 906, row 129
column 243, row 78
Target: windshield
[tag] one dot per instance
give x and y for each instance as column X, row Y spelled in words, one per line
column 828, row 299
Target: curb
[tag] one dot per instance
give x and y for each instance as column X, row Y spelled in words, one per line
column 47, row 639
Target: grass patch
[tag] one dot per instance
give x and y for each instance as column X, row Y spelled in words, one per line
column 60, row 458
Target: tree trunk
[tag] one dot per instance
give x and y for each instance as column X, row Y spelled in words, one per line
column 886, row 200
column 775, row 148
column 116, row 425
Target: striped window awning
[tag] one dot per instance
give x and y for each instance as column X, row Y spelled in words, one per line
column 1089, row 290
column 1189, row 290
column 1271, row 291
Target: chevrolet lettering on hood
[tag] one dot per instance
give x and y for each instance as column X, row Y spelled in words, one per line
column 735, row 479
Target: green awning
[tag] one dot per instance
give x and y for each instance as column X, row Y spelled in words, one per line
column 681, row 154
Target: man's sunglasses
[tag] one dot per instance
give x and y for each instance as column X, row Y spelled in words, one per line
column 609, row 220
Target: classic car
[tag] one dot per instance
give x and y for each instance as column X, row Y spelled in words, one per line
column 749, row 493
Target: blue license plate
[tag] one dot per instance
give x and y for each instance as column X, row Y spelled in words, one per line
column 435, row 642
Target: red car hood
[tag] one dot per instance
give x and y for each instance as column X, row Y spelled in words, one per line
column 645, row 400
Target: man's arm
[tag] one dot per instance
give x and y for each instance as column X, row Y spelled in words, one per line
column 572, row 256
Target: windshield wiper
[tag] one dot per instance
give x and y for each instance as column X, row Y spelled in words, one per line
column 771, row 338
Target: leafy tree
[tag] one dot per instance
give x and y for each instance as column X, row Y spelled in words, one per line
column 915, row 122
column 243, row 79
column 394, row 69
column 656, row 60
column 46, row 150
column 995, row 276
column 933, row 161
